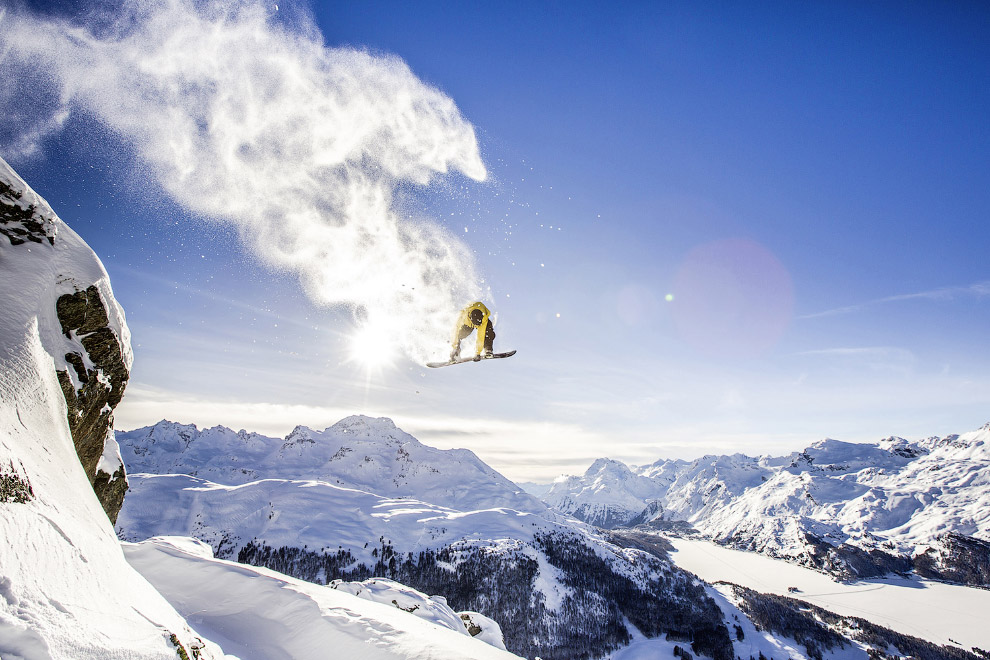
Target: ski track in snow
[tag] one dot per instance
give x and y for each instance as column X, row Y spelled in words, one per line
column 930, row 610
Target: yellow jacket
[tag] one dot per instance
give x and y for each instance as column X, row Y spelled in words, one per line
column 464, row 319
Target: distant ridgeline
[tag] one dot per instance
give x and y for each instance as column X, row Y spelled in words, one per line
column 851, row 510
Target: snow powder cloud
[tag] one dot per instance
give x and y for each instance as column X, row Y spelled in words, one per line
column 246, row 120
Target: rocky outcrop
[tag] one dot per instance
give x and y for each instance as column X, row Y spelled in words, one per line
column 956, row 558
column 20, row 220
column 14, row 484
column 653, row 511
column 102, row 375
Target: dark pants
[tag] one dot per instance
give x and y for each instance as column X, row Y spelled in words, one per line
column 466, row 330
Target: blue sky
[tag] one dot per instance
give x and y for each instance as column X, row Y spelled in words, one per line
column 808, row 182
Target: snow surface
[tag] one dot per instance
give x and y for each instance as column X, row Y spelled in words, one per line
column 259, row 614
column 305, row 514
column 939, row 612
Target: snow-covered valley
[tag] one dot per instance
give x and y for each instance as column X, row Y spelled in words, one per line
column 936, row 611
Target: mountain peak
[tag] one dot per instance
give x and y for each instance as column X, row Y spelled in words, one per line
column 373, row 429
column 299, row 435
column 359, row 423
column 608, row 465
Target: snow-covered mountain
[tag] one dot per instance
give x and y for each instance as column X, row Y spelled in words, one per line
column 363, row 499
column 851, row 509
column 607, row 495
column 357, row 452
column 375, row 505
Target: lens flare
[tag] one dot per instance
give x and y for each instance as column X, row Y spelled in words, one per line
column 734, row 298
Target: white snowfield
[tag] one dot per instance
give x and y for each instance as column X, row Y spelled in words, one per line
column 65, row 590
column 896, row 495
column 942, row 613
column 257, row 614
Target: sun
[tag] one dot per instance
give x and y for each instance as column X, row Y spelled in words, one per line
column 373, row 346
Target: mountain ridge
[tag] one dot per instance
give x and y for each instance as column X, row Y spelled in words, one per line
column 852, row 509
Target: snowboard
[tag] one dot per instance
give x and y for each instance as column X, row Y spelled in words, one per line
column 470, row 359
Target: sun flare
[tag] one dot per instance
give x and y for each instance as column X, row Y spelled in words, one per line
column 373, row 346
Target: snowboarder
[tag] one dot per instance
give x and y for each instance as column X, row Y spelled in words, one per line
column 474, row 317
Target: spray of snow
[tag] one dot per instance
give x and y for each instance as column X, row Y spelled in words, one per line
column 247, row 119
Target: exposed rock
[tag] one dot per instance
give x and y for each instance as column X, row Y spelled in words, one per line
column 473, row 628
column 110, row 489
column 957, row 558
column 83, row 315
column 20, row 221
column 14, row 485
column 653, row 511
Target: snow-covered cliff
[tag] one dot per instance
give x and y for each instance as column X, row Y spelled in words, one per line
column 65, row 589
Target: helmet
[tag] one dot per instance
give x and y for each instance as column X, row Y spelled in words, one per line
column 477, row 316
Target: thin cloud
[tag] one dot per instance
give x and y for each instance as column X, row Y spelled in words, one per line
column 859, row 352
column 979, row 290
column 875, row 358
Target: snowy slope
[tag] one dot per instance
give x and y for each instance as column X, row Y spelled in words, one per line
column 258, row 614
column 853, row 509
column 65, row 589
